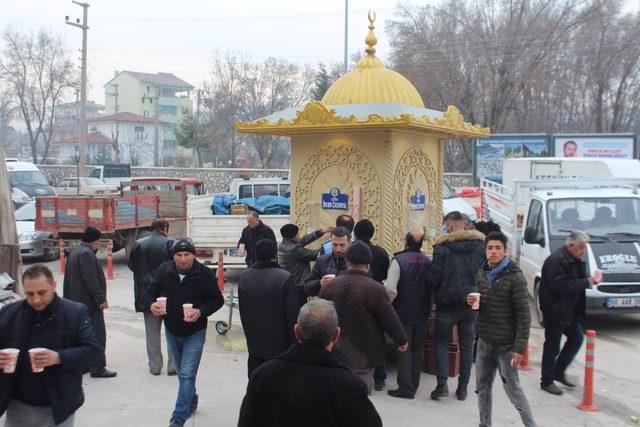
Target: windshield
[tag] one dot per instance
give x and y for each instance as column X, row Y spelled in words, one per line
column 91, row 181
column 447, row 192
column 19, row 178
column 598, row 217
column 26, row 212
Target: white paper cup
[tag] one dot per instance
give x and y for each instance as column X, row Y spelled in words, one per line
column 187, row 308
column 163, row 302
column 14, row 357
column 32, row 353
column 476, row 300
column 330, row 276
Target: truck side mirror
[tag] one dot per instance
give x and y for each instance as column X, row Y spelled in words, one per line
column 530, row 236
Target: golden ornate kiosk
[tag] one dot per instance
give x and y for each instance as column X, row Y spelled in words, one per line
column 370, row 149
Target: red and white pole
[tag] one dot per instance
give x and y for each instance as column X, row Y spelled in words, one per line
column 524, row 364
column 63, row 263
column 110, row 260
column 220, row 271
column 588, row 403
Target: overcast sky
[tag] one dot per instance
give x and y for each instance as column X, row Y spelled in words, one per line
column 179, row 36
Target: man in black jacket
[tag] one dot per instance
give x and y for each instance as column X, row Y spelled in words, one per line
column 292, row 254
column 562, row 300
column 254, row 231
column 344, row 221
column 457, row 257
column 328, row 266
column 84, row 282
column 269, row 305
column 407, row 286
column 306, row 385
column 61, row 329
column 147, row 255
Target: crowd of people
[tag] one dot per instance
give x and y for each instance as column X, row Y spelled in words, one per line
column 315, row 336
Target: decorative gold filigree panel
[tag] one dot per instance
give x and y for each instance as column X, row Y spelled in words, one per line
column 413, row 169
column 354, row 169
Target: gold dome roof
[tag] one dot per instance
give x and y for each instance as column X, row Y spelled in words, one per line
column 372, row 82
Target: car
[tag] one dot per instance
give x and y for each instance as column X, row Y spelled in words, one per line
column 31, row 246
column 89, row 186
column 452, row 202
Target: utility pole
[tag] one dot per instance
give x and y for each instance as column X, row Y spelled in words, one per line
column 114, row 138
column 346, row 35
column 156, row 133
column 82, row 161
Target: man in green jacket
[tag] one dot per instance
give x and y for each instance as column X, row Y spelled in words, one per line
column 502, row 328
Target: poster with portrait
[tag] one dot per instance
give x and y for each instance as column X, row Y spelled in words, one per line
column 600, row 146
column 491, row 152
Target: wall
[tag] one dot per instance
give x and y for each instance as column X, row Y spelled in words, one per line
column 215, row 179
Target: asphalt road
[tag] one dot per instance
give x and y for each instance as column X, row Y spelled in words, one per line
column 137, row 398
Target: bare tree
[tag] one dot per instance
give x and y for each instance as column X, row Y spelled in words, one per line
column 35, row 72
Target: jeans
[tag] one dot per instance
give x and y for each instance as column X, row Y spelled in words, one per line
column 153, row 328
column 410, row 361
column 490, row 358
column 186, row 352
column 21, row 414
column 97, row 321
column 446, row 318
column 554, row 365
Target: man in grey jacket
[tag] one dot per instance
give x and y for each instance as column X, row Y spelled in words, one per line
column 292, row 254
column 84, row 282
column 147, row 255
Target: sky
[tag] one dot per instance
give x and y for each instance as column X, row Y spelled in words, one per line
column 180, row 37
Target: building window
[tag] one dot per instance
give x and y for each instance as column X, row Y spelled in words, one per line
column 169, row 110
column 93, row 129
column 139, row 133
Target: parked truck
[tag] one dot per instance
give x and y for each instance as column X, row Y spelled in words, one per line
column 543, row 200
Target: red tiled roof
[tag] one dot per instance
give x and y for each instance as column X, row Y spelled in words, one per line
column 124, row 117
column 92, row 138
column 161, row 79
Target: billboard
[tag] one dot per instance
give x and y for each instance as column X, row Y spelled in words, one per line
column 491, row 152
column 603, row 146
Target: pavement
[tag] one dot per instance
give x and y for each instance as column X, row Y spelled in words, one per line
column 137, row 398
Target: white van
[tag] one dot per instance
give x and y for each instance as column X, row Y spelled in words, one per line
column 27, row 182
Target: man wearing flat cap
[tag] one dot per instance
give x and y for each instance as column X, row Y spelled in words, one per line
column 292, row 254
column 365, row 313
column 269, row 306
column 84, row 282
column 185, row 292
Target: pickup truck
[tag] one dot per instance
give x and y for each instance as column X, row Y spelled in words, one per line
column 112, row 173
column 537, row 215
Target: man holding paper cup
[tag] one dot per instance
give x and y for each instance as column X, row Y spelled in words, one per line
column 45, row 343
column 185, row 292
column 502, row 328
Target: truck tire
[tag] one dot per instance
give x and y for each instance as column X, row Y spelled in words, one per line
column 536, row 305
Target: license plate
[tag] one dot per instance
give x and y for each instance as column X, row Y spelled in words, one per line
column 623, row 302
column 232, row 252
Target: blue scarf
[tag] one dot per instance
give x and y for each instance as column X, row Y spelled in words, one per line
column 495, row 272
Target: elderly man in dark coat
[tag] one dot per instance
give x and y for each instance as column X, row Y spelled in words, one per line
column 269, row 305
column 254, row 231
column 306, row 385
column 365, row 313
column 292, row 254
column 84, row 282
column 147, row 255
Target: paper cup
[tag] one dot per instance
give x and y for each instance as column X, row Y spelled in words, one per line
column 186, row 308
column 32, row 352
column 14, row 359
column 162, row 301
column 330, row 276
column 476, row 300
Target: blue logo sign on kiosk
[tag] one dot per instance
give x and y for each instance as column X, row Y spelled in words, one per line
column 334, row 200
column 418, row 201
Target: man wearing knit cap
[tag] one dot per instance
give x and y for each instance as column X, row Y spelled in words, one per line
column 191, row 295
column 292, row 254
column 365, row 313
column 84, row 282
column 269, row 306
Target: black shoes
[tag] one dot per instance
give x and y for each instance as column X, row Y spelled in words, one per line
column 461, row 393
column 379, row 385
column 441, row 390
column 552, row 388
column 172, row 373
column 399, row 394
column 154, row 373
column 105, row 373
column 175, row 424
column 562, row 379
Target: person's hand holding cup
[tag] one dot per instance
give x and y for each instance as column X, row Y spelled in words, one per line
column 162, row 305
column 241, row 250
column 326, row 279
column 473, row 299
column 598, row 276
column 190, row 314
column 9, row 360
column 37, row 365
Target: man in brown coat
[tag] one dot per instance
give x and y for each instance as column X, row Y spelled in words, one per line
column 365, row 313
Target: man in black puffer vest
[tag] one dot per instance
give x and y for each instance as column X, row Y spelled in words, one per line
column 407, row 279
column 457, row 257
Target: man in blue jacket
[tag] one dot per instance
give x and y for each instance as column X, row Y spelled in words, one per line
column 61, row 329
